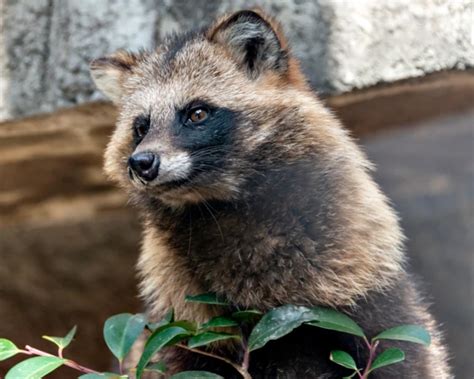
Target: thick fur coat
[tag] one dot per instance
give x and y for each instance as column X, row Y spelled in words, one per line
column 265, row 199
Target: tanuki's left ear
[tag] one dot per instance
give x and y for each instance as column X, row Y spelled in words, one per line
column 253, row 40
column 110, row 72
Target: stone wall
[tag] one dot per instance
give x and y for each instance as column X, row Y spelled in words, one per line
column 45, row 45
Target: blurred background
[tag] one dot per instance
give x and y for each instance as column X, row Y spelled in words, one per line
column 398, row 73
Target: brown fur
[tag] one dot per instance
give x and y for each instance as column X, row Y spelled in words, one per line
column 293, row 75
column 293, row 218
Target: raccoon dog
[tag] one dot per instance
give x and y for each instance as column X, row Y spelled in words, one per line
column 250, row 188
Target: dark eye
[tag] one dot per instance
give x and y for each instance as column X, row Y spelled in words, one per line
column 141, row 126
column 197, row 115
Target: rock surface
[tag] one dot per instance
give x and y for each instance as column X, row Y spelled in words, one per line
column 45, row 45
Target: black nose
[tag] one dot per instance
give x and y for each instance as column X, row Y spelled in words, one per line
column 145, row 165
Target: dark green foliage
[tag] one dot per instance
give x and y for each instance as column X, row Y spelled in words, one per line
column 33, row 368
column 121, row 331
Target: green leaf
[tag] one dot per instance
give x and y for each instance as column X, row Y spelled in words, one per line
column 219, row 322
column 410, row 333
column 169, row 317
column 62, row 342
column 157, row 367
column 191, row 327
column 388, row 357
column 103, row 375
column 333, row 320
column 156, row 342
column 7, row 349
column 277, row 323
column 121, row 331
column 208, row 337
column 343, row 359
column 248, row 315
column 196, row 375
column 34, row 368
column 206, row 298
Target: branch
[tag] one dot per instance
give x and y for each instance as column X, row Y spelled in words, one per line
column 373, row 348
column 67, row 362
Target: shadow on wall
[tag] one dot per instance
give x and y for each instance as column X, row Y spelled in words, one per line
column 68, row 245
column 428, row 172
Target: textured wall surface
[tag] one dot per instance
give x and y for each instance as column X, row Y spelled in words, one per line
column 45, row 45
column 49, row 43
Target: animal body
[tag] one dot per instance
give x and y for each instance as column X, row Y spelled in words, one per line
column 250, row 188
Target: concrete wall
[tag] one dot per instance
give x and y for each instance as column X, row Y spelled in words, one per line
column 45, row 45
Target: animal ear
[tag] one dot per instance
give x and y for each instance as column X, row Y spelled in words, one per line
column 254, row 41
column 109, row 73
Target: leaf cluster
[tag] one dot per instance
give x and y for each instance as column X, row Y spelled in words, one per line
column 122, row 331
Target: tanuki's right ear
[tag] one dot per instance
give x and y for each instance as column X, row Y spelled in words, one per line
column 109, row 73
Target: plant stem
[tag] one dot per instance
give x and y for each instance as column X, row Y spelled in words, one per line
column 372, row 349
column 241, row 369
column 245, row 362
column 245, row 348
column 369, row 346
column 33, row 351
